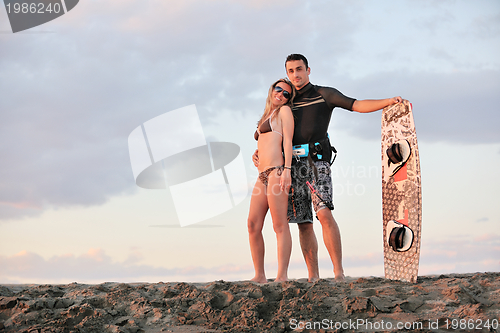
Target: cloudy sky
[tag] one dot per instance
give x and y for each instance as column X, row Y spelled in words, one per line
column 72, row 91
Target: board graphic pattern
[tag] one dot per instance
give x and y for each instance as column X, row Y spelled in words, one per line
column 402, row 193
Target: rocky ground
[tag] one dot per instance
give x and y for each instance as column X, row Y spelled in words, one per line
column 446, row 303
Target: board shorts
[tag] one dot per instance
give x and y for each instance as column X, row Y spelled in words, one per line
column 300, row 196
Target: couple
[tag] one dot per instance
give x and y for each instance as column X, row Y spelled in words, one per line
column 297, row 113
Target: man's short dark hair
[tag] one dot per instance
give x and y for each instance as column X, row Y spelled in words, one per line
column 296, row 56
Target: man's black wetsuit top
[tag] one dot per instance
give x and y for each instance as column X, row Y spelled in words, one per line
column 312, row 110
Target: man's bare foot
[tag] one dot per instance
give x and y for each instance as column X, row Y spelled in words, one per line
column 313, row 279
column 259, row 279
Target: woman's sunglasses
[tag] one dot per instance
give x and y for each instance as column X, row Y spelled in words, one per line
column 286, row 94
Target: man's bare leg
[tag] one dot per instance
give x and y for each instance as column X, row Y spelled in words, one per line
column 309, row 246
column 331, row 237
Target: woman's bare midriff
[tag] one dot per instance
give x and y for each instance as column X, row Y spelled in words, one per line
column 270, row 150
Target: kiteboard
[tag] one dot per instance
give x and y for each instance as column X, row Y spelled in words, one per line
column 401, row 193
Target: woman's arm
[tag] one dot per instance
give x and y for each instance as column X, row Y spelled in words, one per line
column 287, row 124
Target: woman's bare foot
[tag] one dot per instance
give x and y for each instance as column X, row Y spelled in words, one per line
column 339, row 277
column 281, row 279
column 259, row 279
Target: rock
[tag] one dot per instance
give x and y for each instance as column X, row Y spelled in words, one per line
column 112, row 329
column 414, row 303
column 255, row 293
column 235, row 307
column 7, row 302
column 63, row 303
column 477, row 298
column 382, row 304
column 49, row 303
column 4, row 291
column 469, row 311
column 122, row 321
column 357, row 304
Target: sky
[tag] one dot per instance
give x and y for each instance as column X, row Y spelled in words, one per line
column 73, row 90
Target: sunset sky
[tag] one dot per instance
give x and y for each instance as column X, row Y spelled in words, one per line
column 72, row 90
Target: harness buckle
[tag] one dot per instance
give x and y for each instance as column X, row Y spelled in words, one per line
column 300, row 150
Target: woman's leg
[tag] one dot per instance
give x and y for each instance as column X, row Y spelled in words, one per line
column 256, row 215
column 278, row 205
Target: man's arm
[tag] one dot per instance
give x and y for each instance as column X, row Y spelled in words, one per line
column 255, row 158
column 370, row 105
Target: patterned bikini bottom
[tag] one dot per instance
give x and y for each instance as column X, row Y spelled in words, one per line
column 264, row 175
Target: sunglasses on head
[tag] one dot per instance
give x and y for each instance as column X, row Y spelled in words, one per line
column 286, row 94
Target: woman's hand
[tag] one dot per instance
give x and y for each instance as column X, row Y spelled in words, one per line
column 285, row 180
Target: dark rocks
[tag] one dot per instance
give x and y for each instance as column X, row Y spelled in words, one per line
column 356, row 304
column 7, row 302
column 245, row 306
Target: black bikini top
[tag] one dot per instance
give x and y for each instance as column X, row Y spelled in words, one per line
column 265, row 127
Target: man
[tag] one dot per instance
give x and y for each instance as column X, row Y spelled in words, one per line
column 313, row 106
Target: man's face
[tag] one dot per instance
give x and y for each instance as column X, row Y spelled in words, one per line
column 297, row 73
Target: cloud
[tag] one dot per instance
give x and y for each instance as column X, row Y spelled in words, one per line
column 69, row 99
column 457, row 108
column 461, row 254
column 368, row 260
column 96, row 266
column 455, row 254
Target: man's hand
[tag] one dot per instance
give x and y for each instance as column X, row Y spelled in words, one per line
column 255, row 158
column 396, row 100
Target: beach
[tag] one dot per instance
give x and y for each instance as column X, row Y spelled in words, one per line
column 441, row 303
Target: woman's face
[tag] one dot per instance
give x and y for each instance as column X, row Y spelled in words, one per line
column 280, row 93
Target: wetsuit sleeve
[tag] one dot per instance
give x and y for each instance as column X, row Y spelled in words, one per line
column 335, row 98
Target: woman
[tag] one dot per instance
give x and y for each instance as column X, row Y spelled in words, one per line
column 274, row 135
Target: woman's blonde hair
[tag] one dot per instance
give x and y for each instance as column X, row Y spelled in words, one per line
column 268, row 109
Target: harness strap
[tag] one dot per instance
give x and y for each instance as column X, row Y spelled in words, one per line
column 313, row 166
